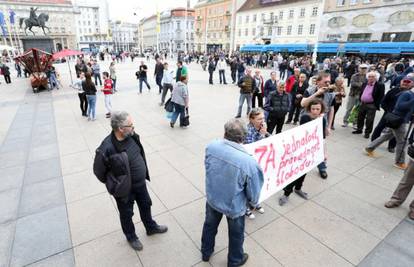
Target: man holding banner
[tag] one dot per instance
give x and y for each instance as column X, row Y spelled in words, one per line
column 233, row 180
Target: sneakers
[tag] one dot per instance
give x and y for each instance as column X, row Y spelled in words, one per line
column 283, row 200
column 249, row 214
column 302, row 194
column 369, row 152
column 345, row 124
column 401, row 166
column 391, row 204
column 136, row 244
column 260, row 209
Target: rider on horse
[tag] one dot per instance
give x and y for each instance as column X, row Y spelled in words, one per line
column 33, row 16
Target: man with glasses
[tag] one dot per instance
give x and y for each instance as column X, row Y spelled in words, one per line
column 121, row 158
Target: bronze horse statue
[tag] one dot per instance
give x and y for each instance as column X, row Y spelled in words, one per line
column 41, row 23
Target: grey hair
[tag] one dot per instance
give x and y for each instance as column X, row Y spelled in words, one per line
column 235, row 130
column 118, row 119
column 377, row 75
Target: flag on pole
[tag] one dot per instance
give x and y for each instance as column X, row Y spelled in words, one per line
column 2, row 22
column 12, row 14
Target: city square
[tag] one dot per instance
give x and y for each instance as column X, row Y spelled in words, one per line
column 54, row 212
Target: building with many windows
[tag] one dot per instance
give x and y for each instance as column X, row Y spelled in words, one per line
column 124, row 35
column 277, row 21
column 61, row 21
column 92, row 23
column 213, row 25
column 367, row 21
column 176, row 30
column 148, row 33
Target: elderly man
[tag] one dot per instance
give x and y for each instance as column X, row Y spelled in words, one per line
column 371, row 97
column 246, row 84
column 233, row 180
column 357, row 80
column 120, row 163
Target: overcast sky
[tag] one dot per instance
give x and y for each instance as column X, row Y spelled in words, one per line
column 124, row 9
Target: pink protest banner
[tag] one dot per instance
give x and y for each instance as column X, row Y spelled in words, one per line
column 287, row 156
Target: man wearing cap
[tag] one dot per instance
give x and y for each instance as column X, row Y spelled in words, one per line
column 357, row 80
column 404, row 108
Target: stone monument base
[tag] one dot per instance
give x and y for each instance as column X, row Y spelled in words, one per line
column 44, row 43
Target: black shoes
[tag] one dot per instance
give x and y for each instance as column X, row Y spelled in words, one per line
column 366, row 135
column 244, row 260
column 159, row 229
column 323, row 174
column 357, row 132
column 136, row 244
column 171, row 125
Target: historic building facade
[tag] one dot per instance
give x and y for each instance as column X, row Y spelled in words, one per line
column 367, row 21
column 277, row 21
column 176, row 30
column 213, row 25
column 61, row 21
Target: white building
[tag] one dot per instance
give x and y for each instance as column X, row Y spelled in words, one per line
column 92, row 23
column 124, row 35
column 176, row 30
column 368, row 21
column 148, row 33
column 278, row 21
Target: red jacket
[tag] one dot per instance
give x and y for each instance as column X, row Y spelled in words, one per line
column 107, row 90
column 289, row 83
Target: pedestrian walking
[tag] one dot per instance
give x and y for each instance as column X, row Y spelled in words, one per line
column 5, row 71
column 315, row 109
column 90, row 90
column 180, row 99
column 158, row 73
column 278, row 105
column 167, row 82
column 121, row 164
column 233, row 69
column 233, row 180
column 142, row 76
column 211, row 69
column 83, row 102
column 112, row 75
column 96, row 70
column 108, row 91
column 18, row 69
column 246, row 85
column 222, row 65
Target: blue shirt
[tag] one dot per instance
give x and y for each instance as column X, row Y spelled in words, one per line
column 252, row 135
column 233, row 178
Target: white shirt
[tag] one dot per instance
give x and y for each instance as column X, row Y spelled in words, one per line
column 167, row 77
column 221, row 65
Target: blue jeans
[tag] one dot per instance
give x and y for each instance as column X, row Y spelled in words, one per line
column 141, row 80
column 248, row 98
column 178, row 110
column 322, row 167
column 236, row 235
column 53, row 81
column 91, row 106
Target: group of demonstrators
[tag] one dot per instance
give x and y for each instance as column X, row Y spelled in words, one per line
column 299, row 93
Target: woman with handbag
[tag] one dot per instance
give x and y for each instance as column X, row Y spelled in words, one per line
column 297, row 92
column 179, row 98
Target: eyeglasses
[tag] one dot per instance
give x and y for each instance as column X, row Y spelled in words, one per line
column 128, row 126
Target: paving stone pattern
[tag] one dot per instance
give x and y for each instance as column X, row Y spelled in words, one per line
column 54, row 212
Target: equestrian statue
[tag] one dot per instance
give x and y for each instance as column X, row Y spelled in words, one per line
column 35, row 21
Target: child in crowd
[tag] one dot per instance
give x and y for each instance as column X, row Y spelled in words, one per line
column 108, row 90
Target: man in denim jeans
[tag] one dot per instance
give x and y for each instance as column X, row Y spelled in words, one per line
column 246, row 84
column 233, row 180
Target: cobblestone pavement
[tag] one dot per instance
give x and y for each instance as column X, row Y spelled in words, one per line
column 54, row 212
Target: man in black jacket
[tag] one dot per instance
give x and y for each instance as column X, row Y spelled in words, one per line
column 211, row 69
column 371, row 96
column 158, row 73
column 110, row 162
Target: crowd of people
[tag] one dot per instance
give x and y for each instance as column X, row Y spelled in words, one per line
column 295, row 92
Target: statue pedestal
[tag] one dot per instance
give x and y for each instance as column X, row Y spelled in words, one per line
column 44, row 43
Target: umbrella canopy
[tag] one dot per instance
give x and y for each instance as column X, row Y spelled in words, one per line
column 66, row 53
